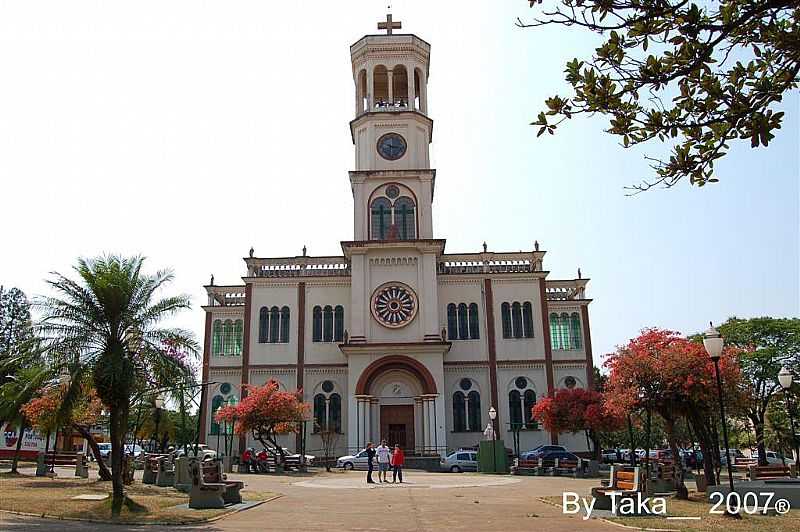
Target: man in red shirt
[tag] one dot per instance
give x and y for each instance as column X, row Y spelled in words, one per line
column 398, row 460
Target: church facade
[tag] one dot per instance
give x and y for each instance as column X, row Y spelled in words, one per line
column 395, row 338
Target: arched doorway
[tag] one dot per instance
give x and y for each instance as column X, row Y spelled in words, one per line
column 396, row 401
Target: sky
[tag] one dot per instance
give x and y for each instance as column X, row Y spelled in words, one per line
column 188, row 131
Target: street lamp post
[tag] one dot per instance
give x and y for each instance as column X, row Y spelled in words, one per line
column 714, row 343
column 493, row 416
column 785, row 379
column 158, row 403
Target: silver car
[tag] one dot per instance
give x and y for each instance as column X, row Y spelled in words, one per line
column 461, row 460
column 353, row 461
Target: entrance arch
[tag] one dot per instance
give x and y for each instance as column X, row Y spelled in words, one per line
column 396, row 400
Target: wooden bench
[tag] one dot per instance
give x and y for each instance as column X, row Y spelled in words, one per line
column 768, row 472
column 62, row 459
column 624, row 481
column 210, row 489
column 524, row 467
column 562, row 467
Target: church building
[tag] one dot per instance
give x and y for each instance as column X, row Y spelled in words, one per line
column 395, row 338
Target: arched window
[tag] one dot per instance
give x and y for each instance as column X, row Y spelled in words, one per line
column 575, row 336
column 327, row 324
column 274, row 324
column 563, row 326
column 521, row 400
column 515, row 408
column 474, row 399
column 338, row 323
column 530, row 402
column 555, row 330
column 452, row 322
column 263, row 325
column 216, row 338
column 227, row 337
column 335, row 412
column 320, row 413
column 463, row 322
column 316, row 331
column 381, row 218
column 527, row 320
column 516, row 319
column 459, row 413
column 404, row 218
column 474, row 328
column 505, row 312
column 216, row 404
column 238, row 337
column 284, row 325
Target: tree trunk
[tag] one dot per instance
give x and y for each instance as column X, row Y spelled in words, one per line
column 117, row 434
column 632, row 442
column 701, row 430
column 103, row 471
column 20, row 436
column 680, row 488
column 758, row 427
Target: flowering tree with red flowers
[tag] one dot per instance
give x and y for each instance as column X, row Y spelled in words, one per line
column 75, row 407
column 578, row 410
column 664, row 373
column 267, row 412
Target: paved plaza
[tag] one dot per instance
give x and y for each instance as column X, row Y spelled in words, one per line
column 342, row 501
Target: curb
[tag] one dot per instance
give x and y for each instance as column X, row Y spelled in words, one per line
column 142, row 523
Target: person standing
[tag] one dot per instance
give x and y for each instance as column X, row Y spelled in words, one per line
column 384, row 457
column 370, row 455
column 398, row 460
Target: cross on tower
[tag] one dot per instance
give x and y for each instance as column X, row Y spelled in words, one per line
column 389, row 25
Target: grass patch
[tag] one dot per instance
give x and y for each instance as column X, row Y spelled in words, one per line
column 697, row 505
column 52, row 497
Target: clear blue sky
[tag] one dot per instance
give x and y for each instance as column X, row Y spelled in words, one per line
column 190, row 131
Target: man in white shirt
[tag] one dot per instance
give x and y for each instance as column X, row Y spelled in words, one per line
column 384, row 457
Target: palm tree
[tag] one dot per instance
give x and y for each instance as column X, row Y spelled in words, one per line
column 108, row 323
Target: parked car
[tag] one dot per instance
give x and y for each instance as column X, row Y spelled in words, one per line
column 775, row 458
column 353, row 461
column 537, row 452
column 105, row 451
column 132, row 448
column 561, row 455
column 735, row 454
column 611, row 456
column 205, row 452
column 461, row 460
column 296, row 456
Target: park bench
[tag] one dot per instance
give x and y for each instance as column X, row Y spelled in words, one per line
column 165, row 477
column 768, row 472
column 210, row 489
column 626, row 481
column 663, row 477
column 564, row 468
column 524, row 467
column 62, row 459
column 151, row 462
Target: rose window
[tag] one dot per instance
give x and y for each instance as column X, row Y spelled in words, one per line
column 394, row 305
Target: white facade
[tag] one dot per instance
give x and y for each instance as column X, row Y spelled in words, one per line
column 396, row 339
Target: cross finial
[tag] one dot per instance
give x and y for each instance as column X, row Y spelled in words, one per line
column 389, row 25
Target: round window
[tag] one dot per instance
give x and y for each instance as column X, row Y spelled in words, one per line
column 392, row 191
column 394, row 305
column 570, row 382
column 521, row 383
column 327, row 386
column 225, row 388
column 465, row 384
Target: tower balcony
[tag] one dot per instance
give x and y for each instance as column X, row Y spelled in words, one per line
column 489, row 262
column 302, row 266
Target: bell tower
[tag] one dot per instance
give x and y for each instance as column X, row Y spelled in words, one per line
column 391, row 133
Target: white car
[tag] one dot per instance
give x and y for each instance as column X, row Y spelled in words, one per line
column 353, row 461
column 205, row 452
column 775, row 458
column 296, row 456
column 461, row 460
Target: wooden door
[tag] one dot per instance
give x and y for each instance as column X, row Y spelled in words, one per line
column 397, row 426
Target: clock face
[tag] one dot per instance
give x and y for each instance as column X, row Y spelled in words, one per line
column 391, row 146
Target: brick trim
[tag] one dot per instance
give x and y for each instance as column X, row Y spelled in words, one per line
column 248, row 313
column 492, row 346
column 548, row 349
column 301, row 348
column 204, row 378
column 587, row 346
